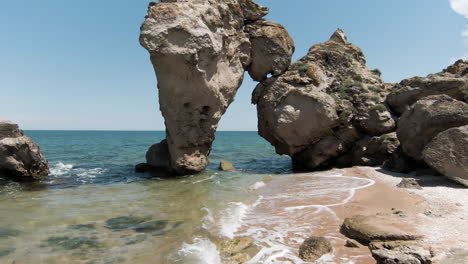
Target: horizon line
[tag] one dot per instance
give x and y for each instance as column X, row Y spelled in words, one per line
column 124, row 130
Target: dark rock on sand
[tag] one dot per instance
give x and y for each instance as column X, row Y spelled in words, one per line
column 425, row 119
column 377, row 228
column 226, row 166
column 20, row 157
column 314, row 248
column 409, row 183
column 448, row 154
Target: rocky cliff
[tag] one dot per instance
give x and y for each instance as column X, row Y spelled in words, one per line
column 20, row 157
column 200, row 51
column 324, row 105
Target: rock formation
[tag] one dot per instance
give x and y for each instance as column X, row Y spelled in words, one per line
column 323, row 104
column 448, row 154
column 452, row 81
column 426, row 118
column 314, row 248
column 200, row 51
column 20, row 157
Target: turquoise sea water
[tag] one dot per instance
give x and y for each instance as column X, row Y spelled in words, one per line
column 93, row 208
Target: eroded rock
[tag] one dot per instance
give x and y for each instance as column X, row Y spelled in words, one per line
column 400, row 252
column 426, row 118
column 226, row 166
column 200, row 51
column 448, row 154
column 272, row 48
column 323, row 104
column 20, row 157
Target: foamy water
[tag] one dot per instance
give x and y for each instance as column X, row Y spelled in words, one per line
column 289, row 209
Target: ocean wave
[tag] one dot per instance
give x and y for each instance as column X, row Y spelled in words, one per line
column 202, row 250
column 61, row 169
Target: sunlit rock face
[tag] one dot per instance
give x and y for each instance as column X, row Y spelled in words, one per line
column 323, row 104
column 200, row 51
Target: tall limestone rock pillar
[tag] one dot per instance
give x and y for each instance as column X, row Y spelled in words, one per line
column 200, row 50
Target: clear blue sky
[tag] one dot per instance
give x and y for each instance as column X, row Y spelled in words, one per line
column 78, row 64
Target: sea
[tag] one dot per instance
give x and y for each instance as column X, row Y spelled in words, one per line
column 94, row 208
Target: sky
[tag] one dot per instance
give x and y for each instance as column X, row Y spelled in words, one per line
column 78, row 65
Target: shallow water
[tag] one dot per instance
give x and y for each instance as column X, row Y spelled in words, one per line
column 94, row 208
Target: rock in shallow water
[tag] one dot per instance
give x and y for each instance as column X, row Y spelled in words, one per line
column 200, row 51
column 20, row 157
column 226, row 166
column 314, row 248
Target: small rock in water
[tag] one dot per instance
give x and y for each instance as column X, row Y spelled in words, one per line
column 149, row 227
column 8, row 232
column 70, row 243
column 237, row 245
column 409, row 183
column 314, row 248
column 351, row 243
column 6, row 251
column 226, row 166
column 125, row 222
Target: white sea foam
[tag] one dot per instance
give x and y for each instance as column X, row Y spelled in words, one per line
column 231, row 218
column 61, row 169
column 201, row 251
column 257, row 185
column 208, row 219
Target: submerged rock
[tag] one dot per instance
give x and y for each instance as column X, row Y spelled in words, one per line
column 323, row 104
column 125, row 222
column 448, row 154
column 71, row 243
column 6, row 251
column 238, row 250
column 200, row 51
column 20, row 157
column 314, row 248
column 426, row 118
column 226, row 166
column 151, row 226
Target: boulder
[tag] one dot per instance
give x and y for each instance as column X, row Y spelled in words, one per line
column 380, row 227
column 426, row 118
column 200, row 51
column 448, row 154
column 226, row 166
column 400, row 252
column 409, row 183
column 323, row 104
column 314, row 248
column 20, row 157
column 158, row 156
column 370, row 151
column 272, row 48
column 453, row 82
